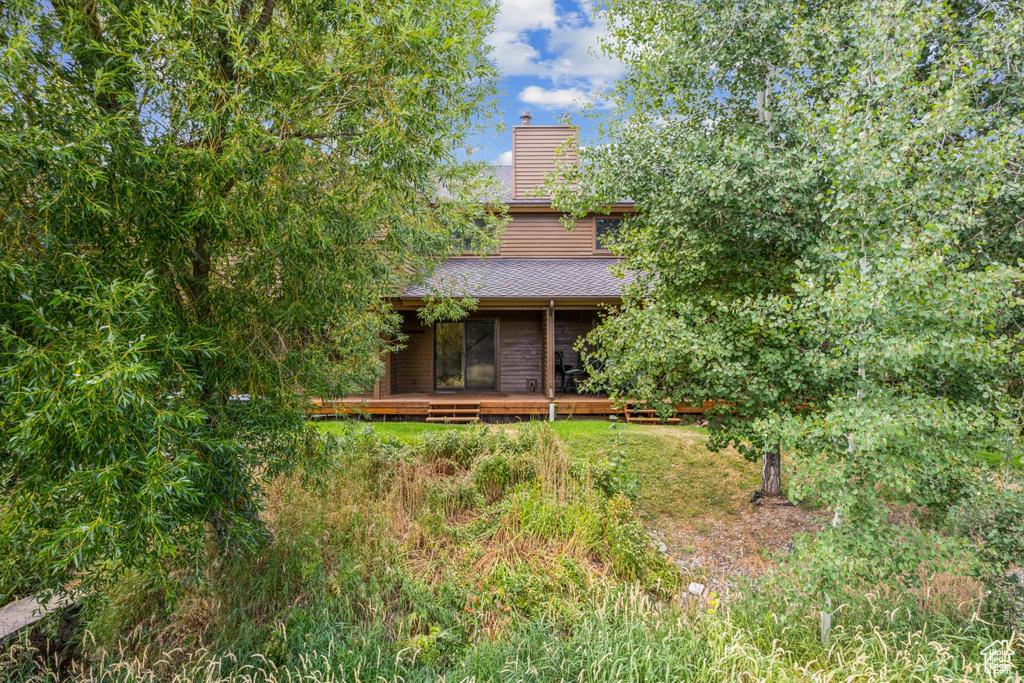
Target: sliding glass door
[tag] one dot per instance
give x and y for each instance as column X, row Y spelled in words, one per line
column 448, row 356
column 481, row 371
column 464, row 356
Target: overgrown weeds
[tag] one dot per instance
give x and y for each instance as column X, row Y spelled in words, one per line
column 478, row 554
column 625, row 636
column 422, row 549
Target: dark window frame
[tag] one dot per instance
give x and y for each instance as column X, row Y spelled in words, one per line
column 615, row 225
column 497, row 355
column 467, row 242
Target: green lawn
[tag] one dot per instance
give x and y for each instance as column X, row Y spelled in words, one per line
column 409, row 432
column 677, row 476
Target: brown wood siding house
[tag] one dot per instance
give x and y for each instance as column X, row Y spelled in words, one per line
column 542, row 290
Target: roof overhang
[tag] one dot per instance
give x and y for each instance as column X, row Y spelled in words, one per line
column 521, row 304
column 533, row 280
column 544, row 206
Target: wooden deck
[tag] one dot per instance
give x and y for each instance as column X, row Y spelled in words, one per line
column 491, row 403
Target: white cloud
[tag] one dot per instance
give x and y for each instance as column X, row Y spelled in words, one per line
column 504, row 159
column 554, row 98
column 514, row 55
column 526, row 15
column 579, row 55
column 571, row 58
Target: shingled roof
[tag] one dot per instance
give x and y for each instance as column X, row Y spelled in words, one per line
column 524, row 278
column 503, row 174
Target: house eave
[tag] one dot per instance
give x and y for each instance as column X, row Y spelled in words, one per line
column 544, row 206
column 518, row 303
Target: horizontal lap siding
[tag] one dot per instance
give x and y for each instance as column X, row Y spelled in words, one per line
column 542, row 235
column 521, row 350
column 393, row 375
column 549, row 339
column 534, row 149
column 569, row 327
column 415, row 363
column 521, row 344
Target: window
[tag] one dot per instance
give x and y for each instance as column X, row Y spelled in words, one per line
column 603, row 228
column 465, row 355
column 467, row 242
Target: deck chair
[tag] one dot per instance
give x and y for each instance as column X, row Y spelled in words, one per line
column 569, row 373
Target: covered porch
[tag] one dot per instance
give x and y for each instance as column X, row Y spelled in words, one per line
column 497, row 353
column 515, row 354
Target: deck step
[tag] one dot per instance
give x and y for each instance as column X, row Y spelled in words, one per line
column 654, row 421
column 647, row 416
column 453, row 411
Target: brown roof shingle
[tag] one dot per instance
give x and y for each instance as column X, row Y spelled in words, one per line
column 524, row 278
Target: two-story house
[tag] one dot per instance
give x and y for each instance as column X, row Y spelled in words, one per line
column 542, row 290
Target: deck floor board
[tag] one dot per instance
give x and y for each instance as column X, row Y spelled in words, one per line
column 490, row 402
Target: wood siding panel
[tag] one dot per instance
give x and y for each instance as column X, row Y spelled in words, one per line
column 521, row 344
column 533, row 156
column 415, row 362
column 393, row 386
column 569, row 327
column 393, row 369
column 542, row 235
column 387, row 379
column 549, row 352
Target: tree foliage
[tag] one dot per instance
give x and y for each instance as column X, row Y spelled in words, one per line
column 204, row 207
column 828, row 236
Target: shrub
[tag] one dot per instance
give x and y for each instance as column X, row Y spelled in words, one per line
column 994, row 519
column 551, row 581
column 456, row 448
column 612, row 477
column 497, row 472
column 452, row 498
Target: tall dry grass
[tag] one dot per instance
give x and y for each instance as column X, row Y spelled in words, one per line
column 493, row 558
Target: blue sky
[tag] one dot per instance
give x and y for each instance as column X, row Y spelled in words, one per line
column 550, row 62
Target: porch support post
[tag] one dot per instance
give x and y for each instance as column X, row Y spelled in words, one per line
column 549, row 350
column 385, row 380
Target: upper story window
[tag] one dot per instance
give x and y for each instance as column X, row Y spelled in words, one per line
column 603, row 228
column 467, row 242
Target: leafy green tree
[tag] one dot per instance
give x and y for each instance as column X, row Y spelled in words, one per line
column 204, row 206
column 828, row 235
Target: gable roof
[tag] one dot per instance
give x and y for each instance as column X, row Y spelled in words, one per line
column 503, row 174
column 524, row 278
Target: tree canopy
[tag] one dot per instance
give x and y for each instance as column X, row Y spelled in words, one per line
column 828, row 235
column 204, row 206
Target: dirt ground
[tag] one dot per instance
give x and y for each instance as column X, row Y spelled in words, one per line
column 716, row 552
column 733, row 539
